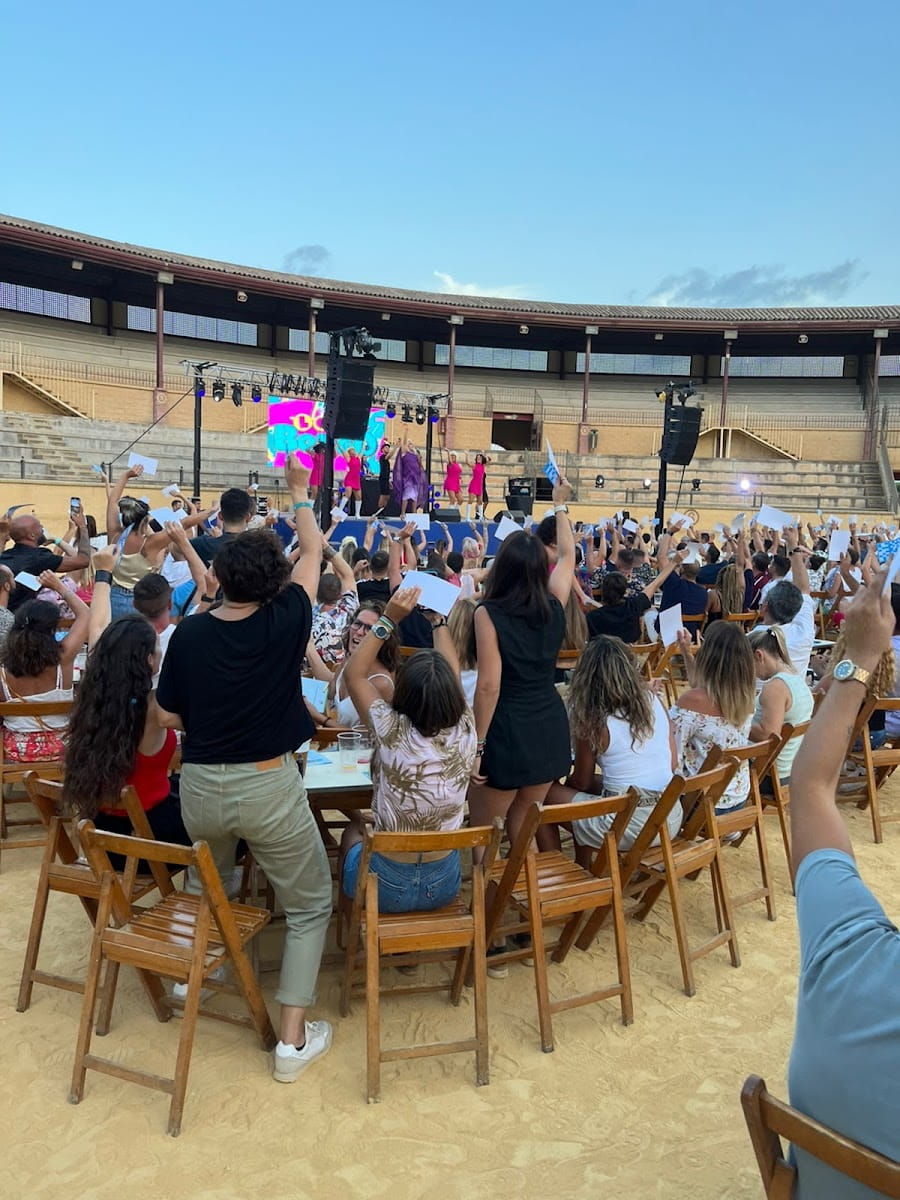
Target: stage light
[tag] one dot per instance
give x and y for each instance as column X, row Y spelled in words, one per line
column 390, row 411
column 433, row 415
column 407, row 414
column 256, row 393
column 648, row 483
column 237, row 398
column 420, row 415
column 803, row 339
column 523, row 329
column 599, row 482
column 218, row 392
column 241, row 297
column 745, row 485
column 199, row 387
column 695, row 485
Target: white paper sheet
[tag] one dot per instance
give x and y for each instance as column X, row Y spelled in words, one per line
column 649, row 620
column 315, row 691
column 26, row 579
column 685, row 520
column 339, row 514
column 891, row 575
column 838, row 544
column 693, row 552
column 505, row 528
column 670, row 624
column 630, row 526
column 420, row 520
column 161, row 515
column 171, row 489
column 437, row 594
column 139, row 460
column 773, row 518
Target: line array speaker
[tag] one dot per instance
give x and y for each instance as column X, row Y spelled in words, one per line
column 348, row 397
column 680, row 435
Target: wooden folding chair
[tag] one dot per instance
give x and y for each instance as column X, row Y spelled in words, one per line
column 669, row 668
column 823, row 619
column 737, row 824
column 546, row 887
column 455, row 932
column 567, row 660
column 878, row 765
column 64, row 870
column 646, row 654
column 182, row 937
column 769, row 1120
column 15, row 772
column 780, row 796
column 746, row 620
column 647, row 869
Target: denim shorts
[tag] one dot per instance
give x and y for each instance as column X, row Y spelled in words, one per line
column 407, row 886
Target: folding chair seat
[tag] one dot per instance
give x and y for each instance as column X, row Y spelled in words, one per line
column 454, row 932
column 15, row 772
column 183, row 937
column 647, row 869
column 779, row 797
column 769, row 1120
column 737, row 824
column 877, row 765
column 746, row 620
column 547, row 888
column 64, row 870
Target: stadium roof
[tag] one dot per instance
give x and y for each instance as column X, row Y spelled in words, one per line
column 42, row 244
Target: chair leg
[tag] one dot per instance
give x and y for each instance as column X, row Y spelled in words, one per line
column 618, row 909
column 248, row 985
column 186, row 1041
column 83, row 1042
column 724, row 904
column 479, row 955
column 591, row 928
column 539, row 957
column 687, row 970
column 763, row 852
column 373, row 999
column 649, row 898
column 107, row 996
column 35, row 932
column 874, row 807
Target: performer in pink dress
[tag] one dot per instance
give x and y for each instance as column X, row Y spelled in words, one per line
column 318, row 466
column 353, row 482
column 453, row 481
column 476, row 489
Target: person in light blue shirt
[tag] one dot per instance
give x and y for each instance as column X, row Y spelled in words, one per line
column 845, row 1062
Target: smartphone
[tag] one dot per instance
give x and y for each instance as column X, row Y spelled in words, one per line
column 262, row 506
column 75, row 506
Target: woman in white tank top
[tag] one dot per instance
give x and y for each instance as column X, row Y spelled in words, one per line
column 341, row 710
column 619, row 726
column 785, row 698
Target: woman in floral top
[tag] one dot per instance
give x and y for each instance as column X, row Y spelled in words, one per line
column 424, row 751
column 717, row 709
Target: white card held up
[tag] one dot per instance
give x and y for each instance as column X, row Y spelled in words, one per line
column 838, row 544
column 893, row 569
column 339, row 514
column 505, row 528
column 693, row 552
column 315, row 691
column 630, row 526
column 681, row 518
column 649, row 620
column 420, row 520
column 139, row 460
column 161, row 515
column 26, row 579
column 171, row 490
column 437, row 594
column 774, row 518
column 670, row 624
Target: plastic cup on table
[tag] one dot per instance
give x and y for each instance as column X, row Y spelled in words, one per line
column 364, row 749
column 348, row 750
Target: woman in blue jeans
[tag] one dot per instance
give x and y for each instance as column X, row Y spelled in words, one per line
column 425, row 747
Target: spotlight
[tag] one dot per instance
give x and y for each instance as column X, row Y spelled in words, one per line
column 433, row 415
column 745, row 485
column 420, row 415
column 695, row 485
column 241, row 297
column 599, row 482
column 287, row 384
column 803, row 339
column 407, row 414
column 199, row 387
column 256, row 393
column 523, row 329
column 648, row 483
column 390, row 411
column 237, row 394
column 218, row 391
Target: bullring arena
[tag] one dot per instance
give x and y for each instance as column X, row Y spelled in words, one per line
column 99, row 340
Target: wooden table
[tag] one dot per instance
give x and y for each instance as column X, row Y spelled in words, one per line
column 329, row 786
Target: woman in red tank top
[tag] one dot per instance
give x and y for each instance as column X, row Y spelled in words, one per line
column 115, row 738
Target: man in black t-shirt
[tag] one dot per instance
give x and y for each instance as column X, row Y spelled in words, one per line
column 619, row 614
column 235, row 510
column 26, row 554
column 379, row 586
column 231, row 681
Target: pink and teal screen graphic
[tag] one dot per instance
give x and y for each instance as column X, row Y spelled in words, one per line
column 296, row 425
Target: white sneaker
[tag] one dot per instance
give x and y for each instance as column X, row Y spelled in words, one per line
column 180, row 990
column 291, row 1062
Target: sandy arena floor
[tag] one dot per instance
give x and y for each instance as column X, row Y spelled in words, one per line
column 648, row 1111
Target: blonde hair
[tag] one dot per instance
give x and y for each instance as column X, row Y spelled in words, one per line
column 576, row 632
column 731, row 590
column 460, row 625
column 726, row 671
column 348, row 545
column 470, row 548
column 606, row 683
column 771, row 640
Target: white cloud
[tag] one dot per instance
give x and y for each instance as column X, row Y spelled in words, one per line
column 757, row 286
column 510, row 291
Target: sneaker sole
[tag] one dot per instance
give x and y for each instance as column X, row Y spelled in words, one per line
column 294, row 1072
column 498, row 972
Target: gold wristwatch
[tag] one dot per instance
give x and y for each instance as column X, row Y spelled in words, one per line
column 846, row 670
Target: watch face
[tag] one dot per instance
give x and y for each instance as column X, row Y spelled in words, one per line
column 844, row 669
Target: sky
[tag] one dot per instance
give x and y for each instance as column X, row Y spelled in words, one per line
column 700, row 153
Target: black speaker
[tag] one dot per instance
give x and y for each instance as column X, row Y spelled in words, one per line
column 348, row 397
column 680, row 435
column 371, row 490
column 520, row 504
column 521, row 486
column 543, row 488
column 448, row 516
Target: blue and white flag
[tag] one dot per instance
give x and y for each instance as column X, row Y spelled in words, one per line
column 884, row 550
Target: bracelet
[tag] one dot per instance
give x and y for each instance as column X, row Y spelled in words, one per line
column 479, row 746
column 103, row 576
column 561, row 508
column 207, row 599
column 303, row 504
column 383, row 620
column 440, row 624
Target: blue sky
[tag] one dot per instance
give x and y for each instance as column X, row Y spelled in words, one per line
column 692, row 153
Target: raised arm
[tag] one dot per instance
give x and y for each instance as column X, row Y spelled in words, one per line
column 665, row 571
column 816, row 823
column 799, row 569
column 196, row 565
column 113, row 520
column 101, row 611
column 77, row 635
column 564, row 574
column 306, row 568
column 359, row 665
column 340, row 566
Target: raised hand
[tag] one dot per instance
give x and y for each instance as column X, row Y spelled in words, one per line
column 106, row 559
column 402, row 603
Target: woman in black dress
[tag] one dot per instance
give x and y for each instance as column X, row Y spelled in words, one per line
column 522, row 727
column 384, row 475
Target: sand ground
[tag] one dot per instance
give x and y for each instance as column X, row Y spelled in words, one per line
column 648, row 1111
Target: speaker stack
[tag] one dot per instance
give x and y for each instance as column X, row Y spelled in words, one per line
column 680, row 435
column 349, row 393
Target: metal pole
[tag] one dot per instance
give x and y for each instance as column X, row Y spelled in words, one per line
column 311, row 357
column 429, row 447
column 451, row 363
column 724, row 405
column 160, row 366
column 663, row 472
column 198, row 425
column 874, row 396
column 586, row 385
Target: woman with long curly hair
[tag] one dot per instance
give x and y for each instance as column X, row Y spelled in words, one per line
column 36, row 667
column 115, row 736
column 728, row 596
column 341, row 708
column 620, row 729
